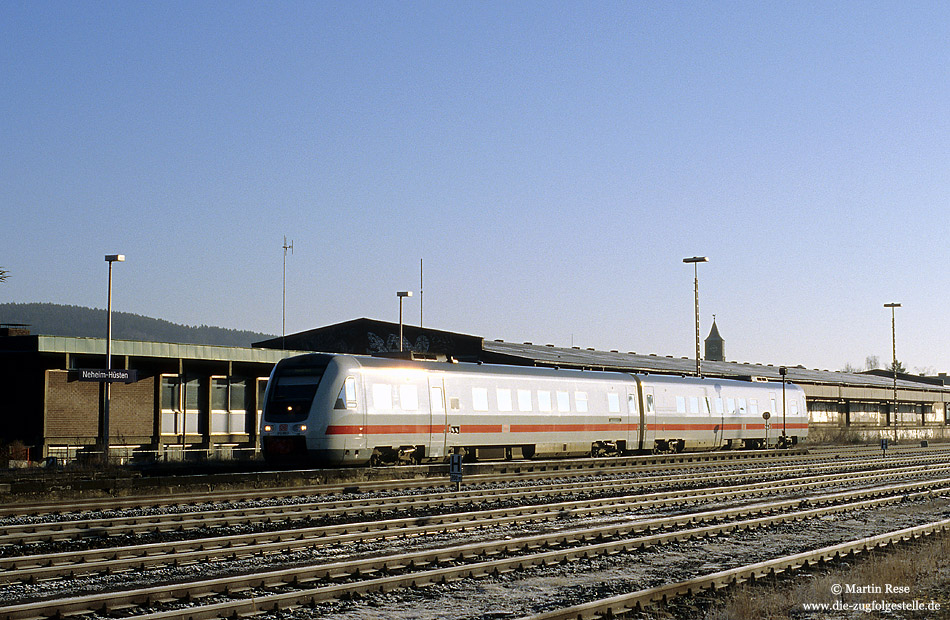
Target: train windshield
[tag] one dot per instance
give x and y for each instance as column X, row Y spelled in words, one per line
column 292, row 395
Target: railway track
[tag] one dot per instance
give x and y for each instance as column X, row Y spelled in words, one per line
column 195, row 517
column 194, row 490
column 310, row 585
column 625, row 605
column 537, row 529
column 70, row 564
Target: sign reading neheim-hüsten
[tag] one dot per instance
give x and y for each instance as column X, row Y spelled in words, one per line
column 115, row 375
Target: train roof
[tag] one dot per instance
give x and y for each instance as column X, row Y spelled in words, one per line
column 410, row 362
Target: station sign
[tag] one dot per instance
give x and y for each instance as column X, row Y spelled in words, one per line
column 114, row 375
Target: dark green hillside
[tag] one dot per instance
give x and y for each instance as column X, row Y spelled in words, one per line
column 76, row 321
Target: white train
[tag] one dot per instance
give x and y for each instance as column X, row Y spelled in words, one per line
column 343, row 409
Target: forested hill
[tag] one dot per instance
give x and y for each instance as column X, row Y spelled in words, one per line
column 77, row 321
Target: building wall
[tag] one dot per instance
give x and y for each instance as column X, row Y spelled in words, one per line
column 72, row 409
column 871, row 421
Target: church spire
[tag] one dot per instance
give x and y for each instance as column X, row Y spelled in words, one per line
column 715, row 345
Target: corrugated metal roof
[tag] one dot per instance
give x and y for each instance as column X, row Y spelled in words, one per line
column 588, row 358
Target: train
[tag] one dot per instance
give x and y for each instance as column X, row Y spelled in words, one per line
column 336, row 409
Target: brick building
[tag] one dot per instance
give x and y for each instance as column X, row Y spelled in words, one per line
column 186, row 399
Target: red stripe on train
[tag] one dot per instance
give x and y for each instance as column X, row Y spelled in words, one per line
column 409, row 429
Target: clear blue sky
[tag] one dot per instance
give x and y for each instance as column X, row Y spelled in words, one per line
column 552, row 163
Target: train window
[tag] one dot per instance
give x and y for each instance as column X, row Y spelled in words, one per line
column 455, row 404
column 719, row 409
column 774, row 408
column 680, row 404
column 613, row 402
column 544, row 400
column 742, row 408
column 349, row 392
column 794, row 407
column 694, row 404
column 524, row 400
column 731, row 406
column 437, row 400
column 754, row 407
column 580, row 400
column 632, row 404
column 504, row 399
column 480, row 399
column 706, row 406
column 408, row 398
column 563, row 402
column 649, row 403
column 382, row 397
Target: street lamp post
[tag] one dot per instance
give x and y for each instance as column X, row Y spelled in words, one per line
column 892, row 306
column 695, row 260
column 401, row 295
column 283, row 306
column 110, row 258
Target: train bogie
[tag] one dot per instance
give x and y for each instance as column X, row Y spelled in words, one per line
column 379, row 411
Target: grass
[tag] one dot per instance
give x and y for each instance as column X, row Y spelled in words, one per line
column 915, row 572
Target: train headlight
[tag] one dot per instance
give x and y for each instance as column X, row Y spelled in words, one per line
column 268, row 428
column 302, row 428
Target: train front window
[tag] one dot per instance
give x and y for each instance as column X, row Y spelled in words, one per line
column 293, row 392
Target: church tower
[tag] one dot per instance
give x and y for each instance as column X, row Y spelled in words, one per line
column 715, row 345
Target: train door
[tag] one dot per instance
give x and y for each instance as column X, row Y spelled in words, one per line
column 437, row 420
column 355, row 403
column 775, row 410
column 635, row 417
column 648, row 419
column 714, row 414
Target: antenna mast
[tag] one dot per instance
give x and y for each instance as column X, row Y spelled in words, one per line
column 283, row 311
column 420, row 292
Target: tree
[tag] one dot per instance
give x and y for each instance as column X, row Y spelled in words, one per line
column 871, row 362
column 898, row 366
column 4, row 274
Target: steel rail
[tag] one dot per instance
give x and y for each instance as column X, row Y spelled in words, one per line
column 467, row 555
column 622, row 605
column 29, row 569
column 427, row 477
column 19, row 534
